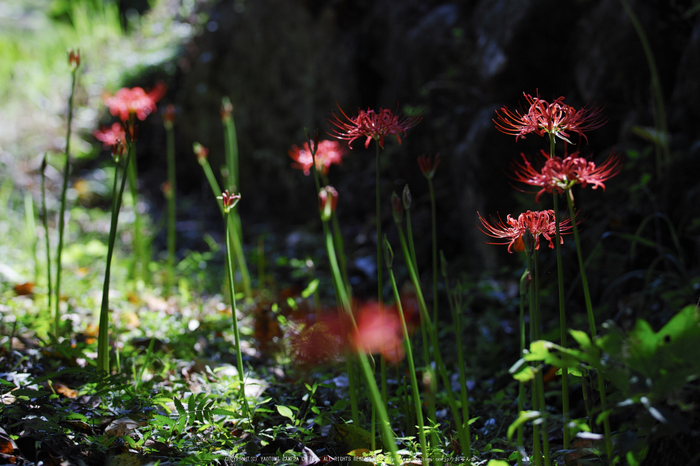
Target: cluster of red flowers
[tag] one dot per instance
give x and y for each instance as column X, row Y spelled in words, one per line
column 127, row 104
column 563, row 174
column 539, row 223
column 372, row 126
column 556, row 119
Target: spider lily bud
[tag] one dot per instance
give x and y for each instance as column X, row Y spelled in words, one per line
column 428, row 165
column 528, row 242
column 226, row 109
column 327, row 201
column 201, row 152
column 397, row 208
column 406, row 198
column 74, row 59
column 118, row 149
column 388, row 253
column 169, row 117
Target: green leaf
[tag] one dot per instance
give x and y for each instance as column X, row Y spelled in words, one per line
column 180, row 408
column 311, row 289
column 497, row 463
column 286, row 412
column 525, row 374
column 165, row 420
column 223, row 412
column 524, row 417
column 581, row 338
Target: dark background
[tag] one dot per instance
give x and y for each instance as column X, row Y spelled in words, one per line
column 287, row 64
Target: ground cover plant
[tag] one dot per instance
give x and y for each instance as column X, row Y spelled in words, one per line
column 111, row 353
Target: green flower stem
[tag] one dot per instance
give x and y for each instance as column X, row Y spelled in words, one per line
column 591, row 323
column 45, row 221
column 380, row 295
column 387, row 433
column 436, row 348
column 341, row 291
column 536, row 445
column 340, row 250
column 562, row 309
column 237, row 247
column 464, row 392
column 103, row 332
column 140, row 264
column 411, row 367
column 172, row 180
column 231, row 145
column 524, row 285
column 409, row 234
column 30, row 224
column 62, row 214
column 435, row 260
column 539, row 378
column 236, row 335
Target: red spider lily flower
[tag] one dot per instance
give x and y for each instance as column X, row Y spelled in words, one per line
column 110, row 136
column 327, row 153
column 327, row 201
column 372, row 125
column 557, row 118
column 229, row 200
column 428, row 165
column 562, row 174
column 378, row 331
column 538, row 223
column 135, row 101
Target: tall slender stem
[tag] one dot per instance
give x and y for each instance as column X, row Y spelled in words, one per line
column 591, row 323
column 379, row 232
column 62, row 212
column 103, row 333
column 534, row 335
column 236, row 335
column 435, row 260
column 172, row 180
column 45, row 221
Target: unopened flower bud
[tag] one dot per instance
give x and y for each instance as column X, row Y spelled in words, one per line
column 443, row 264
column 74, row 59
column 406, row 197
column 226, row 109
column 397, row 208
column 44, row 163
column 327, row 201
column 169, row 117
column 118, row 149
column 388, row 253
column 428, row 165
column 167, row 189
column 201, row 152
column 528, row 242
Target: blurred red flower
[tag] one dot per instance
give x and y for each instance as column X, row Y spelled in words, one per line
column 135, row 101
column 563, row 174
column 556, row 118
column 378, row 331
column 371, row 125
column 428, row 164
column 538, row 223
column 327, row 153
column 110, row 136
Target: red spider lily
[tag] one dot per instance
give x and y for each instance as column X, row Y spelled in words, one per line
column 563, row 174
column 372, row 125
column 428, row 165
column 110, row 136
column 543, row 118
column 229, row 200
column 376, row 330
column 539, row 223
column 135, row 101
column 327, row 153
